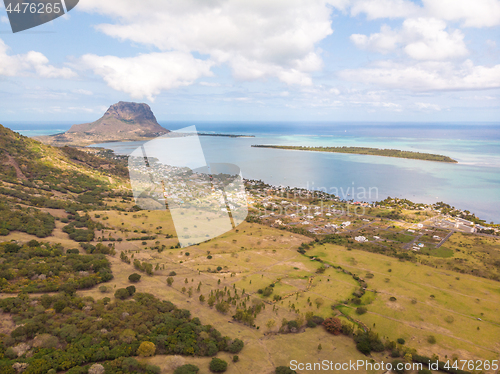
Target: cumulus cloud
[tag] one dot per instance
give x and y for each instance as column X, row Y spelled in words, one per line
column 427, row 76
column 420, row 39
column 148, row 74
column 256, row 39
column 477, row 13
column 29, row 63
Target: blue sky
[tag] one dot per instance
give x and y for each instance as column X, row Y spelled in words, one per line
column 258, row 60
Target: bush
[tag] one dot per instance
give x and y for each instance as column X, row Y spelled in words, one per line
column 103, row 289
column 187, row 369
column 311, row 324
column 134, row 278
column 236, row 346
column 392, row 298
column 401, row 341
column 333, row 325
column 235, row 358
column 395, row 368
column 172, row 274
column 122, row 293
column 361, row 310
column 146, row 349
column 431, row 339
column 217, row 365
column 284, row 370
column 131, row 290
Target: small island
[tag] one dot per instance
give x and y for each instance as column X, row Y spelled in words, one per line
column 366, row 151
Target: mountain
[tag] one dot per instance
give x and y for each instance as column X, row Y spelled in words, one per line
column 123, row 121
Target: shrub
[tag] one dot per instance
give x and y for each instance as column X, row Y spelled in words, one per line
column 134, row 278
column 187, row 369
column 172, row 274
column 146, row 349
column 311, row 324
column 284, row 370
column 401, row 341
column 333, row 325
column 431, row 339
column 103, row 289
column 361, row 310
column 398, row 367
column 392, row 298
column 131, row 290
column 217, row 365
column 236, row 346
column 122, row 293
column 235, row 358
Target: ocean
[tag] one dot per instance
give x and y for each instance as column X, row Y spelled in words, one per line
column 473, row 184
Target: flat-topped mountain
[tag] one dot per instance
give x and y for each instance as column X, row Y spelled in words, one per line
column 123, row 121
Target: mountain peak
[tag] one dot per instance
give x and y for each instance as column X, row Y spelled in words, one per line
column 122, row 120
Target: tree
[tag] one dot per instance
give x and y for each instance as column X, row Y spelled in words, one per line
column 134, row 278
column 217, row 365
column 146, row 349
column 187, row 369
column 202, row 299
column 333, row 325
column 170, row 280
column 270, row 324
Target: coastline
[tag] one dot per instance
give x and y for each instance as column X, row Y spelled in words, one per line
column 377, row 150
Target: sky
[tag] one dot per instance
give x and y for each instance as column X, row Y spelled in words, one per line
column 258, row 60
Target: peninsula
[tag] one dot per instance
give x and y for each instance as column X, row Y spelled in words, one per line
column 366, row 151
column 123, row 121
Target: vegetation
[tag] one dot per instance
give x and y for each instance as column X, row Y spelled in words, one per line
column 218, row 365
column 366, row 151
column 84, row 331
column 35, row 267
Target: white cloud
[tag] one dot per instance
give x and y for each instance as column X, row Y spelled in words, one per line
column 420, row 39
column 83, row 92
column 385, row 41
column 257, row 39
column 29, row 63
column 427, row 76
column 476, row 13
column 4, row 19
column 427, row 106
column 147, row 75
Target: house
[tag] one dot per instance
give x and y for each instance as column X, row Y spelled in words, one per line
column 360, row 239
